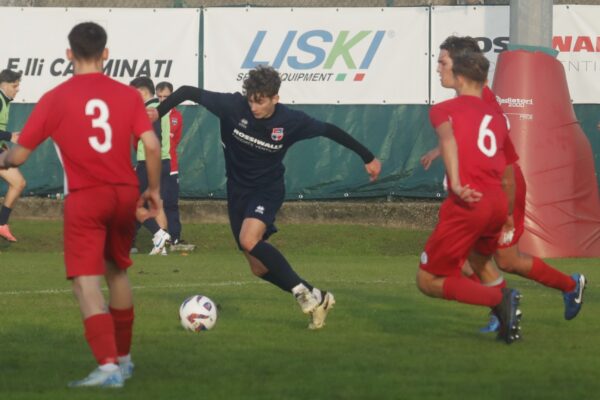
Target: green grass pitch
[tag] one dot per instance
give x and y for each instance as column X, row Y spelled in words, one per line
column 384, row 340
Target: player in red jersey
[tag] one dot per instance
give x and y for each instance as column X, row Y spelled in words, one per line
column 508, row 257
column 472, row 136
column 94, row 120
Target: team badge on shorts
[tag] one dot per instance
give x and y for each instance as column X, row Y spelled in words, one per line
column 424, row 258
column 277, row 134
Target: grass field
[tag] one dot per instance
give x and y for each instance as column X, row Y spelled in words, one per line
column 384, row 340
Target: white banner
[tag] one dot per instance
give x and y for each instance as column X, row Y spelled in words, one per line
column 489, row 25
column 160, row 43
column 324, row 55
column 576, row 35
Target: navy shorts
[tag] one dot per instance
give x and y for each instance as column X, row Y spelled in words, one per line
column 261, row 204
column 142, row 174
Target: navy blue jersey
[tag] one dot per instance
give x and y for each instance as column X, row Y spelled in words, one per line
column 254, row 148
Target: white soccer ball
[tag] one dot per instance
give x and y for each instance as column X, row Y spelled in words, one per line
column 198, row 313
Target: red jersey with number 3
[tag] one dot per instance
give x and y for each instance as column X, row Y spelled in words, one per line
column 481, row 135
column 93, row 120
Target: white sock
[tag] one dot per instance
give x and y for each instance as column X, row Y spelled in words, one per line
column 317, row 294
column 124, row 359
column 298, row 288
column 109, row 367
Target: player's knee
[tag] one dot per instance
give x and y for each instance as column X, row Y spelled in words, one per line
column 506, row 264
column 247, row 242
column 423, row 283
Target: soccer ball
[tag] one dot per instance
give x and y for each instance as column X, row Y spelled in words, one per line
column 198, row 313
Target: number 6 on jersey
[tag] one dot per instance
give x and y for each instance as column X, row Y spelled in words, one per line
column 100, row 122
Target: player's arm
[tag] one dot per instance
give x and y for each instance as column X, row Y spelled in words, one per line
column 153, row 165
column 428, row 157
column 372, row 164
column 449, row 152
column 14, row 157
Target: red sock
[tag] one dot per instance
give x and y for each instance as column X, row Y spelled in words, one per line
column 100, row 335
column 466, row 291
column 548, row 276
column 123, row 320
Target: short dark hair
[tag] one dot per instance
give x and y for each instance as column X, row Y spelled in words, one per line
column 87, row 40
column 164, row 85
column 10, row 76
column 143, row 82
column 467, row 58
column 262, row 81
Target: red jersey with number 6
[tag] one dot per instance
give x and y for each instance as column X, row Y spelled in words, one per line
column 481, row 135
column 93, row 120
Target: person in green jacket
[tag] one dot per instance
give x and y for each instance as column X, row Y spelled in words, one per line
column 9, row 87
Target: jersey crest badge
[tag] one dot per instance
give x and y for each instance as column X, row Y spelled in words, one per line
column 277, row 134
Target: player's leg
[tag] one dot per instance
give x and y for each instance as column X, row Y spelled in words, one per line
column 122, row 312
column 116, row 253
column 16, row 184
column 153, row 225
column 511, row 260
column 171, row 199
column 85, row 236
column 491, row 277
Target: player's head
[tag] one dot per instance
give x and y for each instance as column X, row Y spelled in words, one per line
column 163, row 90
column 10, row 81
column 88, row 43
column 461, row 58
column 145, row 86
column 261, row 88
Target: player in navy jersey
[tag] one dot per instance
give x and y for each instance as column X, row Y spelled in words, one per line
column 473, row 137
column 94, row 120
column 256, row 132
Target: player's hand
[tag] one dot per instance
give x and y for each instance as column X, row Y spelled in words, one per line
column 152, row 197
column 508, row 231
column 152, row 114
column 466, row 193
column 428, row 158
column 373, row 169
column 15, row 137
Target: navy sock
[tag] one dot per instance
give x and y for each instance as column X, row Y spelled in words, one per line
column 271, row 278
column 277, row 265
column 4, row 214
column 151, row 225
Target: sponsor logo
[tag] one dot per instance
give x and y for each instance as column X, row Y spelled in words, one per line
column 254, row 142
column 117, row 68
column 423, row 258
column 316, row 55
column 514, row 103
column 277, row 134
column 243, row 123
column 259, row 210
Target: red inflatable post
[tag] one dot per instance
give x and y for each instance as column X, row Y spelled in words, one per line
column 562, row 216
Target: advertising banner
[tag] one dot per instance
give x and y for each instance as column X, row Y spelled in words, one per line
column 324, row 55
column 138, row 43
column 576, row 35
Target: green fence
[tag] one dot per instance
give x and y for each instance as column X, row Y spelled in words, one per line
column 316, row 168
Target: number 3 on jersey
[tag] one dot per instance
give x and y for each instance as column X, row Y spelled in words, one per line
column 100, row 122
column 490, row 148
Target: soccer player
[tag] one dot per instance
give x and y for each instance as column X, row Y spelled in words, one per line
column 171, row 189
column 9, row 87
column 93, row 120
column 508, row 257
column 256, row 132
column 157, row 226
column 472, row 136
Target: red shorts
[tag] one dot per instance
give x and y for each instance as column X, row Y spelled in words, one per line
column 519, row 207
column 462, row 228
column 99, row 225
